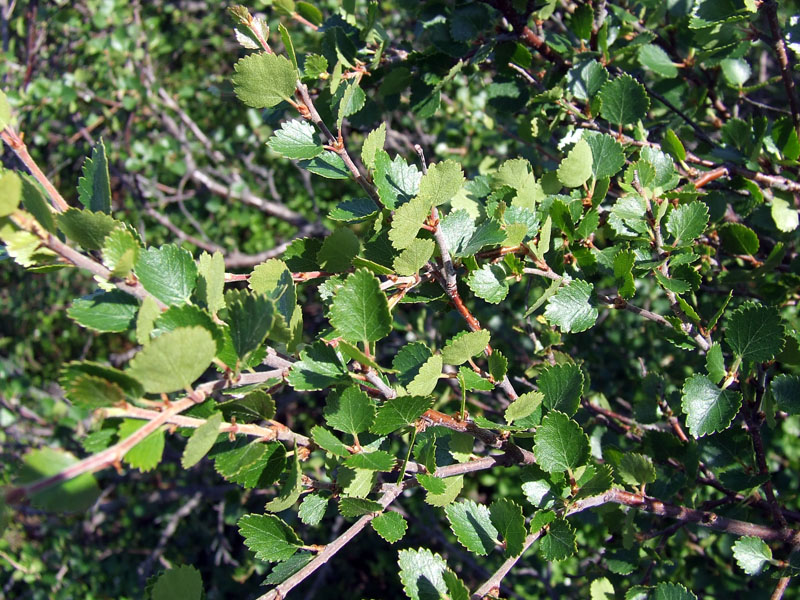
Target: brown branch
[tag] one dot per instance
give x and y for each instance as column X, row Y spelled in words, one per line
column 19, row 148
column 753, row 423
column 770, row 9
column 780, row 589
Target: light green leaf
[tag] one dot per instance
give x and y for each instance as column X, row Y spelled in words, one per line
column 786, row 390
column 464, row 346
column 453, row 489
column 312, row 509
column 431, row 483
column 457, row 229
column 356, row 483
column 601, row 589
column 414, row 257
column 145, row 320
column 269, row 537
column 672, row 591
column 784, row 214
column 328, row 442
column 657, row 60
column 755, row 332
column 94, row 188
column 183, row 582
column 421, row 573
column 351, row 100
column 168, row 272
column 396, row 180
column 507, row 517
column 624, row 101
column 296, row 139
column 250, row 317
column 442, row 181
column 586, row 79
column 559, row 542
column 600, row 482
column 715, row 363
column 34, row 201
column 607, row 155
column 351, row 412
column 489, row 282
column 291, row 489
column 470, row 380
column 338, row 250
column 314, row 66
column 687, row 222
column 120, row 251
column 672, row 145
column 576, row 168
column 752, row 554
column 73, row 371
column 735, row 70
column 623, row 271
column 635, row 469
column 627, row 216
column 360, row 311
column 374, row 141
column 498, row 365
column 72, row 495
column 472, row 525
column 211, row 280
column 105, row 311
column 264, row 80
column 562, row 386
column 399, row 412
column 427, row 378
column 372, row 461
column 319, row 367
column 91, row 392
column 328, row 164
column 523, row 406
column 391, row 526
column 5, row 111
column 10, row 193
column 708, row 408
column 409, row 360
column 145, row 455
column 560, row 444
column 201, row 441
column 174, row 360
column 358, row 507
column 408, row 220
column 570, row 308
column 89, row 229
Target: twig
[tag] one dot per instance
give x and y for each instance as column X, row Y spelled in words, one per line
column 780, row 589
column 172, row 525
column 753, row 423
column 19, row 148
column 770, row 9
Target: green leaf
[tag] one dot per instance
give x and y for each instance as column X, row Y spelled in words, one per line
column 71, row 495
column 453, row 489
column 174, row 360
column 264, row 80
column 319, row 367
column 442, row 181
column 507, row 517
column 283, row 570
column 427, row 378
column 391, row 526
column 105, row 311
column 414, row 257
column 269, row 537
column 607, row 155
column 374, row 141
column 201, row 441
column 498, row 365
column 600, row 482
column 94, row 188
column 524, row 406
column 657, row 60
column 356, row 483
column 672, row 145
column 472, row 525
column 576, row 168
column 752, row 554
column 399, row 412
column 296, row 139
column 351, row 412
column 75, row 370
column 358, row 507
column 247, row 463
column 715, row 363
column 372, row 461
column 627, row 216
column 328, row 164
column 90, row 392
column 351, row 100
column 432, row 483
column 312, row 509
column 635, row 469
column 421, row 573
column 560, row 444
column 470, row 380
column 89, row 229
column 255, row 406
column 182, row 582
column 409, row 360
column 623, row 271
column 168, row 272
column 559, row 543
column 34, row 201
column 328, row 442
column 735, row 70
column 356, row 210
column 602, row 589
column 250, row 317
column 120, row 251
column 291, row 489
column 396, row 180
column 5, row 111
column 338, row 250
column 624, row 101
column 672, row 591
column 786, row 390
column 755, row 332
column 586, row 79
column 708, row 409
column 738, row 239
column 211, row 280
column 360, row 311
column 408, row 220
column 570, row 307
column 784, row 214
column 314, row 66
column 687, row 222
column 10, row 193
column 562, row 386
column 488, row 233
column 464, row 346
column 145, row 455
column 489, row 282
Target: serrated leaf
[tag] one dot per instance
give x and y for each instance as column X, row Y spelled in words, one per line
column 414, row 257
column 464, row 346
column 470, row 380
column 489, row 282
column 33, row 199
column 432, row 483
column 784, row 214
column 523, row 406
column 168, row 272
column 559, row 542
column 338, row 250
column 586, row 78
column 248, row 463
column 182, row 582
column 255, row 406
column 90, row 392
column 421, row 573
column 94, row 188
column 738, row 239
column 315, row 65
column 269, row 537
column 457, row 229
column 607, row 155
column 88, row 229
column 562, row 386
column 73, row 371
column 600, row 482
column 351, row 100
column 498, row 365
column 624, row 101
column 120, row 251
column 576, row 168
column 672, row 591
column 264, row 80
column 399, row 412
column 145, row 455
column 377, row 460
column 408, row 220
column 174, row 360
column 442, row 181
column 672, row 145
column 453, row 489
column 472, row 525
column 409, row 360
column 391, row 526
column 627, row 217
column 687, row 222
column 786, row 391
column 250, row 317
column 211, row 280
column 755, row 332
column 715, row 363
column 356, row 483
column 560, row 444
column 105, row 311
column 354, row 211
column 372, row 143
column 360, row 311
column 145, row 320
column 71, row 495
column 427, row 378
column 657, row 60
column 488, row 233
column 358, row 507
column 328, row 164
column 201, row 441
column 540, row 493
column 635, row 469
column 312, row 509
column 328, row 441
column 291, row 489
column 351, row 412
column 708, row 408
column 296, row 139
column 507, row 517
column 752, row 554
column 397, row 181
column 570, row 308
column 319, row 367
column 601, row 589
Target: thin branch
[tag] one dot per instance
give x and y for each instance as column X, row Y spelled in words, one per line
column 753, row 423
column 770, row 9
column 780, row 589
column 19, row 148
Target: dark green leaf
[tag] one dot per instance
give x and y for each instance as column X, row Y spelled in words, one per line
column 755, row 332
column 399, row 412
column 560, row 443
column 269, row 537
column 391, row 526
column 562, row 386
column 360, row 311
column 624, row 101
column 94, row 188
column 708, row 408
column 105, row 311
column 168, row 272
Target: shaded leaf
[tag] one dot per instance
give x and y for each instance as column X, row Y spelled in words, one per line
column 269, row 537
column 708, row 408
